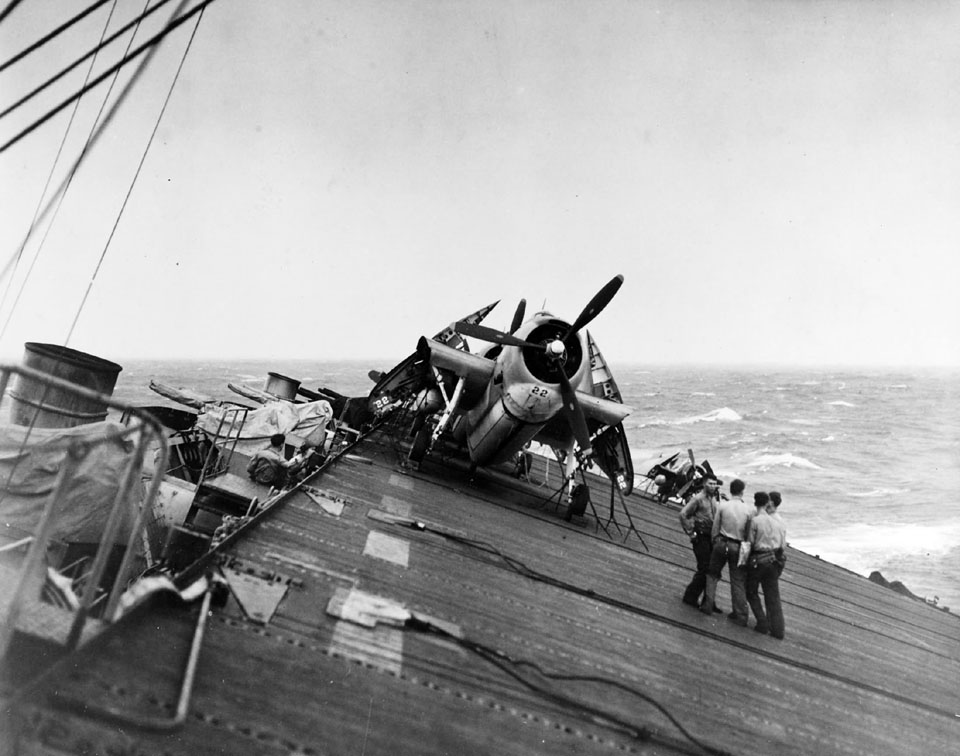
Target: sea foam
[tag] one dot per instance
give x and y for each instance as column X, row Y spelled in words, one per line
column 724, row 413
column 877, row 492
column 767, row 461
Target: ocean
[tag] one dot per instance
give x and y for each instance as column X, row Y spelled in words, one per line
column 868, row 461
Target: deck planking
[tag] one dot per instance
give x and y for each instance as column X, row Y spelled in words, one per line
column 863, row 670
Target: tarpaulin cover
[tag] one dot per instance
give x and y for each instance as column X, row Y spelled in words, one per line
column 308, row 420
column 30, row 461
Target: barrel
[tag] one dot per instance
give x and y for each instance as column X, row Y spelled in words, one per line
column 282, row 386
column 34, row 403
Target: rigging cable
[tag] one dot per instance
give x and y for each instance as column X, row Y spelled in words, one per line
column 100, row 45
column 60, row 195
column 56, row 32
column 522, row 569
column 6, row 11
column 149, row 45
column 511, row 667
column 153, row 45
column 133, row 181
column 46, row 186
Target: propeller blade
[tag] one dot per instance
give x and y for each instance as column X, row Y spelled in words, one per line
column 518, row 316
column 595, row 306
column 574, row 413
column 489, row 334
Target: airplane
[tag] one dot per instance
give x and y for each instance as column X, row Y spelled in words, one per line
column 535, row 383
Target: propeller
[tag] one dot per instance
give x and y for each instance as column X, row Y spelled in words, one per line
column 574, row 415
column 492, row 335
column 518, row 315
column 596, row 305
column 571, row 406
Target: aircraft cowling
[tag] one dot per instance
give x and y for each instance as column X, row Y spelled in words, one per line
column 534, row 366
column 524, row 393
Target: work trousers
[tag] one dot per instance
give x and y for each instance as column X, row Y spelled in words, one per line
column 766, row 576
column 702, row 548
column 727, row 552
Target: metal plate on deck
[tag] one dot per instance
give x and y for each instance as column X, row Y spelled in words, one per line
column 396, row 506
column 259, row 598
column 401, row 481
column 388, row 548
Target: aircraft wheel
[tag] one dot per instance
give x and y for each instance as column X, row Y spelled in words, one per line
column 420, row 444
column 418, row 422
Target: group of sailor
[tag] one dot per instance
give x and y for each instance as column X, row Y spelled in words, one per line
column 749, row 540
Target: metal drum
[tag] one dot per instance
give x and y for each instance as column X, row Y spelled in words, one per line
column 35, row 403
column 282, row 386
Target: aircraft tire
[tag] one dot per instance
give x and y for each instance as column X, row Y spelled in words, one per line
column 420, row 444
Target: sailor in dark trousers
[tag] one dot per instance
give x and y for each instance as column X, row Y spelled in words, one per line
column 696, row 519
column 729, row 529
column 767, row 536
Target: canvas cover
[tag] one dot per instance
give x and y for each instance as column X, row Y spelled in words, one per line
column 307, row 420
column 30, row 461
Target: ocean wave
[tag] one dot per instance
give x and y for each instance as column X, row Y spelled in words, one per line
column 841, row 403
column 724, row 413
column 767, row 461
column 803, row 421
column 877, row 492
column 865, row 547
column 703, row 393
column 828, row 438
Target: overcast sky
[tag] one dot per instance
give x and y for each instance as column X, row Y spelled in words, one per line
column 779, row 182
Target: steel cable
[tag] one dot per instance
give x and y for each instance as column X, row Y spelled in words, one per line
column 52, row 35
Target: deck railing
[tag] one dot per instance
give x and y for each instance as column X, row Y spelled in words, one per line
column 98, row 582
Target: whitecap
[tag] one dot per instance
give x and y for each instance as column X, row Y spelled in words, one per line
column 864, row 547
column 828, row 438
column 841, row 403
column 767, row 461
column 724, row 413
column 802, row 421
column 703, row 393
column 876, row 492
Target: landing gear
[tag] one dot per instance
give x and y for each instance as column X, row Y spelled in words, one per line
column 421, row 444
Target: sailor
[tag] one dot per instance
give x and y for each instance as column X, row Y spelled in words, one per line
column 696, row 519
column 767, row 536
column 729, row 530
column 305, row 461
column 269, row 466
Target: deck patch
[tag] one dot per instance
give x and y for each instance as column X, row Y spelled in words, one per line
column 366, row 609
column 396, row 506
column 381, row 647
column 388, row 548
column 401, row 481
column 257, row 597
